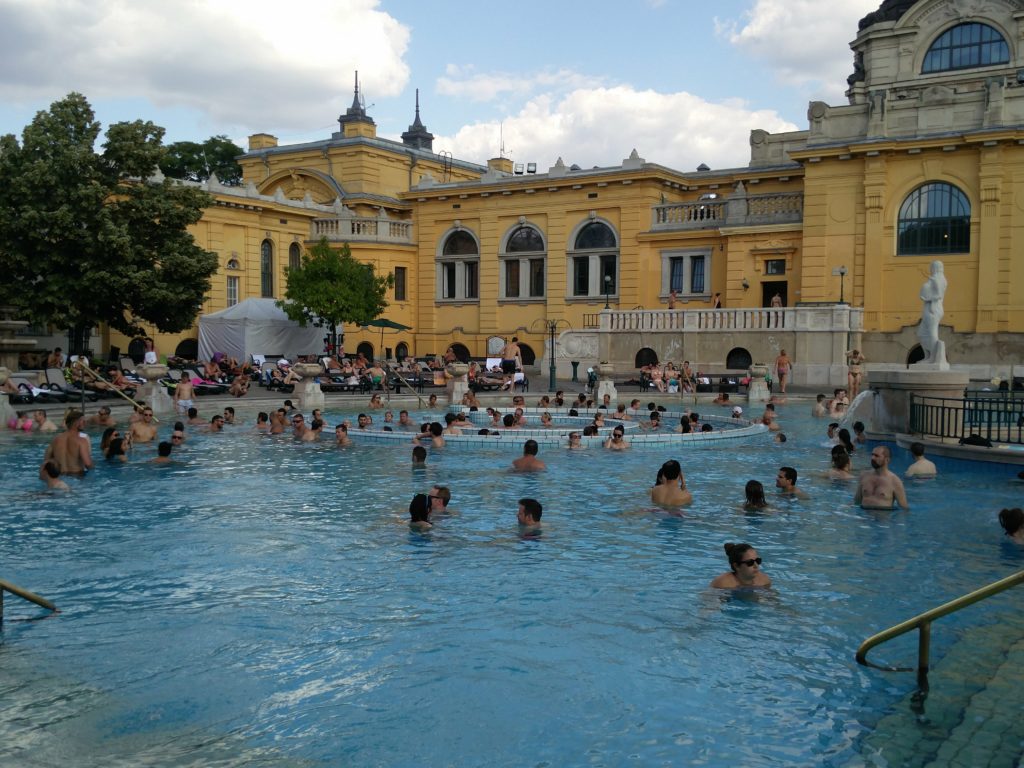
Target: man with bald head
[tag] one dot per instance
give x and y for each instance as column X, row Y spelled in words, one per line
column 879, row 488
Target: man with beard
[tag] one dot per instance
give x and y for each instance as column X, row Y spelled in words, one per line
column 878, row 487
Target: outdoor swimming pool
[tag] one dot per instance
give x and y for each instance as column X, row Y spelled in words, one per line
column 264, row 603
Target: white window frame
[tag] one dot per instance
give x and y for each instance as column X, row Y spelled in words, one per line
column 459, row 261
column 524, row 258
column 231, row 290
column 687, row 255
column 595, row 284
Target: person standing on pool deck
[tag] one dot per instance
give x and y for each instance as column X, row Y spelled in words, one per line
column 183, row 394
column 510, row 357
column 529, row 462
column 746, row 569
column 783, row 367
column 879, row 488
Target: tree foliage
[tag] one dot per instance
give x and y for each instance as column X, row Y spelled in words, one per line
column 331, row 287
column 84, row 239
column 192, row 161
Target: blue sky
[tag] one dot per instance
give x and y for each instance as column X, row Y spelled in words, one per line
column 681, row 81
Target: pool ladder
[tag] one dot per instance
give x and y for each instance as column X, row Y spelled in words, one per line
column 32, row 597
column 923, row 623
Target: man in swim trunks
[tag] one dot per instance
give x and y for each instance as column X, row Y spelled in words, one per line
column 440, row 496
column 103, row 418
column 878, row 487
column 183, row 393
column 783, row 368
column 70, row 450
column 671, row 491
column 921, row 467
column 510, row 357
column 529, row 513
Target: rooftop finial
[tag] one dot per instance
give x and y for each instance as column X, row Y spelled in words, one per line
column 418, row 136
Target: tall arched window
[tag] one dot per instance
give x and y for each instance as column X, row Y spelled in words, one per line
column 267, row 269
column 965, row 46
column 935, row 218
column 523, row 264
column 294, row 256
column 594, row 262
column 458, row 267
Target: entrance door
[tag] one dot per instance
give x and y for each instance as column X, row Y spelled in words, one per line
column 768, row 290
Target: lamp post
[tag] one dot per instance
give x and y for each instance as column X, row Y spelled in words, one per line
column 842, row 284
column 607, row 290
column 552, row 326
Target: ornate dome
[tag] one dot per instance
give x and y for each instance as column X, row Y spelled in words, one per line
column 890, row 10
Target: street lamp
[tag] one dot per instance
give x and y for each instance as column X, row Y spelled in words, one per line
column 607, row 290
column 551, row 326
column 842, row 283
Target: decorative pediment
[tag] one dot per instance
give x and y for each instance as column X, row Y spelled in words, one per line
column 303, row 185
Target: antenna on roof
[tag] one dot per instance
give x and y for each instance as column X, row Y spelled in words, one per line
column 501, row 139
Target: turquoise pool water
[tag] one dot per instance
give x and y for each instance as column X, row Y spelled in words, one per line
column 264, row 603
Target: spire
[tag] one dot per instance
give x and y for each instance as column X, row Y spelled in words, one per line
column 357, row 112
column 418, row 136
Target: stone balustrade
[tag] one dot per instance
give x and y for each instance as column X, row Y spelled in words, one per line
column 827, row 318
column 738, row 210
column 363, row 229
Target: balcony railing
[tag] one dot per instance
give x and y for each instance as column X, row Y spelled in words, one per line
column 834, row 317
column 738, row 210
column 363, row 229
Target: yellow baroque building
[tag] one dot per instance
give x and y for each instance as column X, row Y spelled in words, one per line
column 639, row 262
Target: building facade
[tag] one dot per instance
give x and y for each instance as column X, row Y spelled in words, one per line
column 841, row 221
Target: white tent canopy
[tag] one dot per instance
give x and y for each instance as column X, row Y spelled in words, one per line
column 256, row 327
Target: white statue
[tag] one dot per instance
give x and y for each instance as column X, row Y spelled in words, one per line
column 932, row 293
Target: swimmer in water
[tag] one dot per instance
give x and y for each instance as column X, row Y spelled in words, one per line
column 879, row 488
column 746, row 569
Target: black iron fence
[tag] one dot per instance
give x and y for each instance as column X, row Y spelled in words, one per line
column 979, row 417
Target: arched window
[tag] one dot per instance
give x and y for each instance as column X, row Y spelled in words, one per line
column 267, row 270
column 965, row 46
column 458, row 268
column 935, row 218
column 594, row 262
column 523, row 264
column 294, row 256
column 401, row 351
column 645, row 356
column 738, row 359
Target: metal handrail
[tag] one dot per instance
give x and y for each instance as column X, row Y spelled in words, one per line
column 32, row 597
column 923, row 623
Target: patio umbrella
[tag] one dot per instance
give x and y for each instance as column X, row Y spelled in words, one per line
column 383, row 323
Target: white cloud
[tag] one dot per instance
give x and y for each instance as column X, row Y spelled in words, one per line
column 600, row 126
column 804, row 42
column 464, row 82
column 252, row 63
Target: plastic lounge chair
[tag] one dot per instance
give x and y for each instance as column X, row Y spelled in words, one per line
column 56, row 382
column 205, row 387
column 37, row 394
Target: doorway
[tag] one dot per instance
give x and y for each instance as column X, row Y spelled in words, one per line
column 768, row 290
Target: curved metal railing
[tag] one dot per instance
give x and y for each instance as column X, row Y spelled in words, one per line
column 923, row 623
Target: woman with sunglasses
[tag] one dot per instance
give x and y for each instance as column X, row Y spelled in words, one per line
column 746, row 569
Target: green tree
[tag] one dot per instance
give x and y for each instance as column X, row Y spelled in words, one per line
column 192, row 161
column 331, row 287
column 84, row 239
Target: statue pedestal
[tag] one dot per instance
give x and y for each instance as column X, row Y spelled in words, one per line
column 458, row 384
column 7, row 411
column 153, row 392
column 938, row 364
column 891, row 414
column 605, row 385
column 310, row 394
column 757, row 390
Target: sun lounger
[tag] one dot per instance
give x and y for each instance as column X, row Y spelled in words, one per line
column 56, row 382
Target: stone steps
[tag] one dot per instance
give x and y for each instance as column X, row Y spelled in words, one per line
column 973, row 715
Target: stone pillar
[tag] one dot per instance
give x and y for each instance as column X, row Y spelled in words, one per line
column 891, row 414
column 757, row 390
column 310, row 394
column 605, row 385
column 153, row 392
column 458, row 384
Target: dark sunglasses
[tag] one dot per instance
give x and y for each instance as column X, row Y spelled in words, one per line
column 749, row 563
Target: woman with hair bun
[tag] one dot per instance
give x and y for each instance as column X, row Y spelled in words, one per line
column 746, row 569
